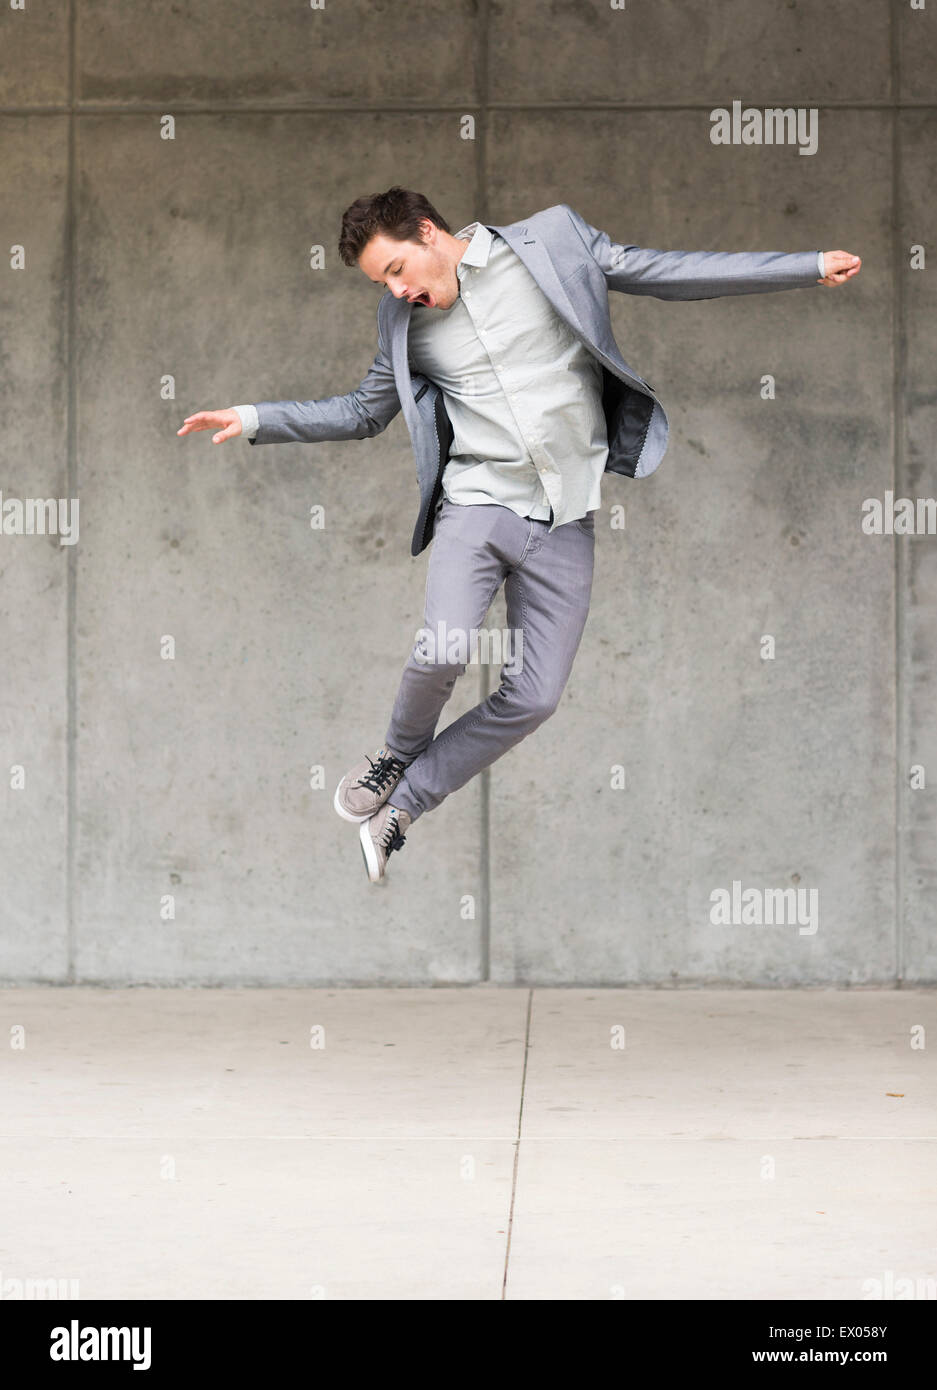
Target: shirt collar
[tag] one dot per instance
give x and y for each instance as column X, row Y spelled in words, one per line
column 479, row 245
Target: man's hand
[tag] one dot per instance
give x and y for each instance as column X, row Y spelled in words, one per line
column 227, row 422
column 840, row 266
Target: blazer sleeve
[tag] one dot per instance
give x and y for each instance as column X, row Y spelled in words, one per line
column 693, row 274
column 359, row 414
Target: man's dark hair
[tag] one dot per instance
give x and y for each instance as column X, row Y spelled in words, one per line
column 396, row 213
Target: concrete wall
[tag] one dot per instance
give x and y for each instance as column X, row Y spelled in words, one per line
column 150, row 260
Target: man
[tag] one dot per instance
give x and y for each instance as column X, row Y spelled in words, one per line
column 497, row 345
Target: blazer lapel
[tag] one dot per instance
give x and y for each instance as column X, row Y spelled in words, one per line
column 399, row 311
column 536, row 257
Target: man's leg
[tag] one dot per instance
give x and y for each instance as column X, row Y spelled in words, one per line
column 463, row 575
column 548, row 588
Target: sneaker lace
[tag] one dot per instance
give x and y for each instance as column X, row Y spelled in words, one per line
column 391, row 837
column 384, row 770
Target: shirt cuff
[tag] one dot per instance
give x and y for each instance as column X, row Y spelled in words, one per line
column 820, row 271
column 249, row 418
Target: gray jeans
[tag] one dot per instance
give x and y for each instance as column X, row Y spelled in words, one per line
column 547, row 585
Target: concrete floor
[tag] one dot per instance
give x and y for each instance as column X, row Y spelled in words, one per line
column 468, row 1144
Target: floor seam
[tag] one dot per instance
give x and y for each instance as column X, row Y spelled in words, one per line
column 517, row 1146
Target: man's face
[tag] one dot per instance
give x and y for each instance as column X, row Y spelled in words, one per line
column 420, row 272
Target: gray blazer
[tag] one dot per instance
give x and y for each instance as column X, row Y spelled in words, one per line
column 575, row 265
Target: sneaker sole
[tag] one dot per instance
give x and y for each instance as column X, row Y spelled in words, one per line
column 371, row 861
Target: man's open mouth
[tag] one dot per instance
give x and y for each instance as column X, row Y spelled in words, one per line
column 424, row 298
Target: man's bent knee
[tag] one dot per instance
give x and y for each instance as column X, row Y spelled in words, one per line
column 537, row 703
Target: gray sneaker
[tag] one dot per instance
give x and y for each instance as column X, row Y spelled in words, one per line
column 368, row 785
column 383, row 833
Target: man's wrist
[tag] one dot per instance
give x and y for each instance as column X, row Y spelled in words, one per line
column 249, row 419
column 820, row 268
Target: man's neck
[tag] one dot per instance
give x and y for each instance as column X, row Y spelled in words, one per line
column 463, row 242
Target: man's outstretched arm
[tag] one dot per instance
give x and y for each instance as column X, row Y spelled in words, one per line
column 357, row 415
column 708, row 274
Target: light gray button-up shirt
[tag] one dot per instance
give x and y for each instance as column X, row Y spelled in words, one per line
column 523, row 394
